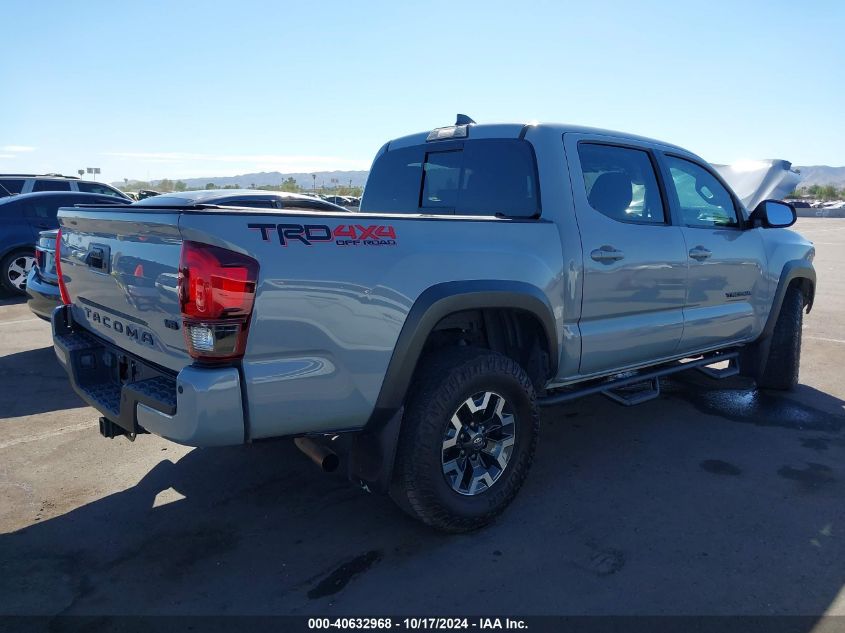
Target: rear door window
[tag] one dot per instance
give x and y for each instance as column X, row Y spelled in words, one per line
column 9, row 186
column 10, row 210
column 94, row 187
column 475, row 177
column 44, row 209
column 620, row 183
column 51, row 185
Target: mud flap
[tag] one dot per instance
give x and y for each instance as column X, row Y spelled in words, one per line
column 373, row 453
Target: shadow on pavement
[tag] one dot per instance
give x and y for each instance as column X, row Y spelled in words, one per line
column 11, row 300
column 648, row 510
column 38, row 384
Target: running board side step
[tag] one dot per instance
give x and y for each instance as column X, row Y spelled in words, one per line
column 630, row 397
column 725, row 372
column 614, row 388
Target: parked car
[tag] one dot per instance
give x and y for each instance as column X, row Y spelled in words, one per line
column 13, row 184
column 143, row 194
column 492, row 269
column 42, row 283
column 22, row 217
column 240, row 198
column 343, row 201
column 798, row 204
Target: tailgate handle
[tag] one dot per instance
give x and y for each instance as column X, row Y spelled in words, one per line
column 98, row 257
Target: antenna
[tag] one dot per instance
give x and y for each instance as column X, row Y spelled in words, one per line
column 463, row 119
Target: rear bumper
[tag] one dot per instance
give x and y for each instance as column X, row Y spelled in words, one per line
column 42, row 297
column 196, row 407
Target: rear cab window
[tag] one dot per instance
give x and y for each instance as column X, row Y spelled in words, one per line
column 482, row 177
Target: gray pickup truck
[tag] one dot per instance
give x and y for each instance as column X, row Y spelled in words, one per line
column 491, row 270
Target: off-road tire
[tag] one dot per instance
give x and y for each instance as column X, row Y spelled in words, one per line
column 6, row 284
column 443, row 382
column 781, row 369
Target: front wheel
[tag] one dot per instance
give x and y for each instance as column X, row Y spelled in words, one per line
column 467, row 440
column 781, row 369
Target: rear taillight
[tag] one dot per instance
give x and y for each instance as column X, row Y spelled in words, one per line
column 216, row 294
column 39, row 258
column 58, row 256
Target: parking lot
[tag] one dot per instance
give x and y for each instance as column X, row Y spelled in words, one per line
column 712, row 499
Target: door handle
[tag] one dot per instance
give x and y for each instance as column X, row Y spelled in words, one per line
column 700, row 253
column 607, row 254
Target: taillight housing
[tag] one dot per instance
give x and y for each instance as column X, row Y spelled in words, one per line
column 216, row 295
column 58, row 256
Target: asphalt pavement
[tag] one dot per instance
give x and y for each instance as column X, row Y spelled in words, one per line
column 713, row 499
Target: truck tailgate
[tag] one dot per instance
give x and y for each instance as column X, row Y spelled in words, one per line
column 120, row 269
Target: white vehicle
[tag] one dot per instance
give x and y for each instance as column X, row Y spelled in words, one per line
column 12, row 184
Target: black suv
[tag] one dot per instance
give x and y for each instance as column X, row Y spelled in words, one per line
column 11, row 184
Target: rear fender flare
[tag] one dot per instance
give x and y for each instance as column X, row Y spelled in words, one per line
column 374, row 447
column 441, row 300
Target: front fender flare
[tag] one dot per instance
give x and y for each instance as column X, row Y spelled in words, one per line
column 792, row 270
column 754, row 356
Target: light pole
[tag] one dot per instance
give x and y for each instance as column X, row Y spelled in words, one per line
column 314, row 178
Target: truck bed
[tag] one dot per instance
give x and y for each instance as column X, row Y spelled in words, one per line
column 333, row 293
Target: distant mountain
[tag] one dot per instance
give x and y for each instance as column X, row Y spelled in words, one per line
column 304, row 180
column 810, row 175
column 822, row 175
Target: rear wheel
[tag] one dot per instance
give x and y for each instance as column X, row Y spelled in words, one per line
column 467, row 440
column 781, row 369
column 15, row 268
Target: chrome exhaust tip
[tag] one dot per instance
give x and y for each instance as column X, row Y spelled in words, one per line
column 322, row 455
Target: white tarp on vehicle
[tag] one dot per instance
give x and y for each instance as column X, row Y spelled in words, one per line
column 758, row 180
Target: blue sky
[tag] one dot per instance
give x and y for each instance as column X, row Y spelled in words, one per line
column 182, row 89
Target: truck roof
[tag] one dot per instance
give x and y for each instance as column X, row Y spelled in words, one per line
column 514, row 130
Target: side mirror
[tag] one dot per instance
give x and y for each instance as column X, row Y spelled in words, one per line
column 774, row 214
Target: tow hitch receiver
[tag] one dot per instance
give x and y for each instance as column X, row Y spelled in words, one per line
column 111, row 430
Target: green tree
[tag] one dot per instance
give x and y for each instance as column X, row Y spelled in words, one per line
column 164, row 185
column 828, row 192
column 210, row 185
column 289, row 185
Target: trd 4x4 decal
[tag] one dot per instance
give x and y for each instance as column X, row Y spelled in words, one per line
column 341, row 235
